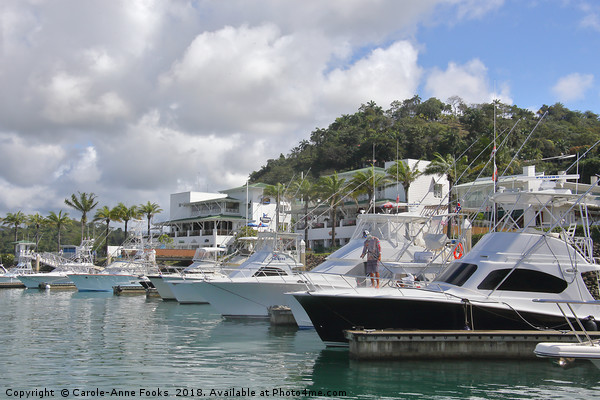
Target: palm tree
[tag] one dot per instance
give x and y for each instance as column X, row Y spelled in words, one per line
column 128, row 213
column 59, row 220
column 15, row 220
column 149, row 209
column 446, row 165
column 333, row 189
column 404, row 174
column 304, row 189
column 106, row 214
column 277, row 191
column 36, row 220
column 365, row 182
column 85, row 203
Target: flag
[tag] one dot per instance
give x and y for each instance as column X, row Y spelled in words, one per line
column 495, row 174
column 458, row 207
column 493, row 152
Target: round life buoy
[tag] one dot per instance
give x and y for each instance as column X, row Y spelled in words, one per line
column 458, row 251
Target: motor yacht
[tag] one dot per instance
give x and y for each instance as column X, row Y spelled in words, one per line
column 533, row 251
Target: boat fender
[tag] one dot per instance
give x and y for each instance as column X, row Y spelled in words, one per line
column 458, row 251
column 589, row 323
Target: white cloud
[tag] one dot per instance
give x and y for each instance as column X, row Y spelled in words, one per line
column 383, row 76
column 135, row 99
column 24, row 163
column 469, row 81
column 572, row 87
column 71, row 99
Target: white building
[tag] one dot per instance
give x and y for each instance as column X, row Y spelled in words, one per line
column 199, row 219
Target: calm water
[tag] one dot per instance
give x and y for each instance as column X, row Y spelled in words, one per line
column 82, row 342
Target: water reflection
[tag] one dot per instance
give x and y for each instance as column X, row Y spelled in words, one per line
column 452, row 379
column 72, row 339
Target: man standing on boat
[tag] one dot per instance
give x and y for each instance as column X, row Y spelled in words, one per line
column 372, row 248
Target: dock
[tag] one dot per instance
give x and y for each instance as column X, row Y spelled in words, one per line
column 370, row 344
column 127, row 290
column 152, row 293
column 57, row 286
column 11, row 285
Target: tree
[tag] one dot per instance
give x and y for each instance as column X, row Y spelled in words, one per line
column 278, row 191
column 36, row 220
column 149, row 210
column 366, row 181
column 15, row 220
column 304, row 189
column 126, row 214
column 106, row 214
column 59, row 221
column 404, row 174
column 333, row 189
column 447, row 165
column 85, row 203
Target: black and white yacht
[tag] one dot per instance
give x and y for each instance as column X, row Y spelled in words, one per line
column 533, row 253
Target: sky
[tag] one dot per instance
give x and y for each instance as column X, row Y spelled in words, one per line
column 134, row 100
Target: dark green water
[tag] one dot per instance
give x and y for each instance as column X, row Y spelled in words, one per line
column 132, row 347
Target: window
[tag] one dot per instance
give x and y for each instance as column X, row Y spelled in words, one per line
column 523, row 280
column 269, row 271
column 457, row 273
column 437, row 190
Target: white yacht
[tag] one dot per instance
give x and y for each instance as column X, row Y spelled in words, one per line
column 404, row 253
column 276, row 254
column 134, row 263
column 80, row 260
column 24, row 254
column 534, row 252
column 204, row 263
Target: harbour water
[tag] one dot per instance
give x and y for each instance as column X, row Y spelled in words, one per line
column 64, row 344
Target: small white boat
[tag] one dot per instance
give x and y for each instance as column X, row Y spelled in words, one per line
column 135, row 262
column 567, row 353
column 274, row 256
column 24, row 255
column 80, row 260
column 204, row 264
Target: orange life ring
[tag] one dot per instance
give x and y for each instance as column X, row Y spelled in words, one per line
column 458, row 251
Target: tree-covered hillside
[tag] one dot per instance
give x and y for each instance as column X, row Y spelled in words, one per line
column 420, row 129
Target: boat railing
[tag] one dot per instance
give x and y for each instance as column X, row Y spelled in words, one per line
column 577, row 319
column 328, row 280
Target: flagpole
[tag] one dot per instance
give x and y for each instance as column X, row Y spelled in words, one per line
column 495, row 171
column 373, row 171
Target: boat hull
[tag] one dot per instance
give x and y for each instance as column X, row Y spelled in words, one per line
column 101, row 282
column 253, row 298
column 33, row 281
column 187, row 291
column 331, row 315
column 574, row 351
column 163, row 288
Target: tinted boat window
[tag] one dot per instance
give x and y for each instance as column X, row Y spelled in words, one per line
column 269, row 271
column 523, row 280
column 457, row 273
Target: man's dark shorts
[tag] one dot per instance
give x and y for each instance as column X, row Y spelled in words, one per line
column 371, row 267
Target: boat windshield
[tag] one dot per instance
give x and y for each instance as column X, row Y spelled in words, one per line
column 457, row 273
